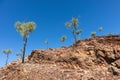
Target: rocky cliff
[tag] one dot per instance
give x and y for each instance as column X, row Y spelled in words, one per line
column 97, row 58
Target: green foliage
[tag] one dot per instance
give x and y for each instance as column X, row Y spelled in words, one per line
column 75, row 22
column 20, row 53
column 63, row 38
column 93, row 34
column 72, row 25
column 100, row 29
column 25, row 29
column 68, row 24
column 7, row 52
column 110, row 34
column 46, row 42
column 78, row 31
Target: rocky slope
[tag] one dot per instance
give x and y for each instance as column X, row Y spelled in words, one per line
column 97, row 58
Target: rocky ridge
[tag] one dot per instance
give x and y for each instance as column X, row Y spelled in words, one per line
column 96, row 58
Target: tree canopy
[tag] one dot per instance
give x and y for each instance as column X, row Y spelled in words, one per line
column 25, row 29
column 73, row 25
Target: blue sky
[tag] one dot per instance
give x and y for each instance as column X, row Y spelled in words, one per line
column 50, row 16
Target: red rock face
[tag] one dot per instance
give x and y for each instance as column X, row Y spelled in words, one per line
column 97, row 58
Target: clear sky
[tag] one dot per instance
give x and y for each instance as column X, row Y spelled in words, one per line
column 50, row 16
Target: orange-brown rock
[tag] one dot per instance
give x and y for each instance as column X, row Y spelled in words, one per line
column 97, row 58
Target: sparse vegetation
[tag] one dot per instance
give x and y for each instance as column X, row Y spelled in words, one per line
column 20, row 53
column 25, row 29
column 73, row 25
column 100, row 29
column 110, row 34
column 72, row 40
column 63, row 38
column 93, row 34
column 7, row 52
column 78, row 32
column 46, row 42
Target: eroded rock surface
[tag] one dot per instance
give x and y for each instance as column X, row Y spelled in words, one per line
column 97, row 58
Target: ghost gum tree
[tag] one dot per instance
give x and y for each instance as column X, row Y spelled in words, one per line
column 25, row 29
column 7, row 52
column 73, row 25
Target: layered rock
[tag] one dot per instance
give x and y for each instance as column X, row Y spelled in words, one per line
column 97, row 58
